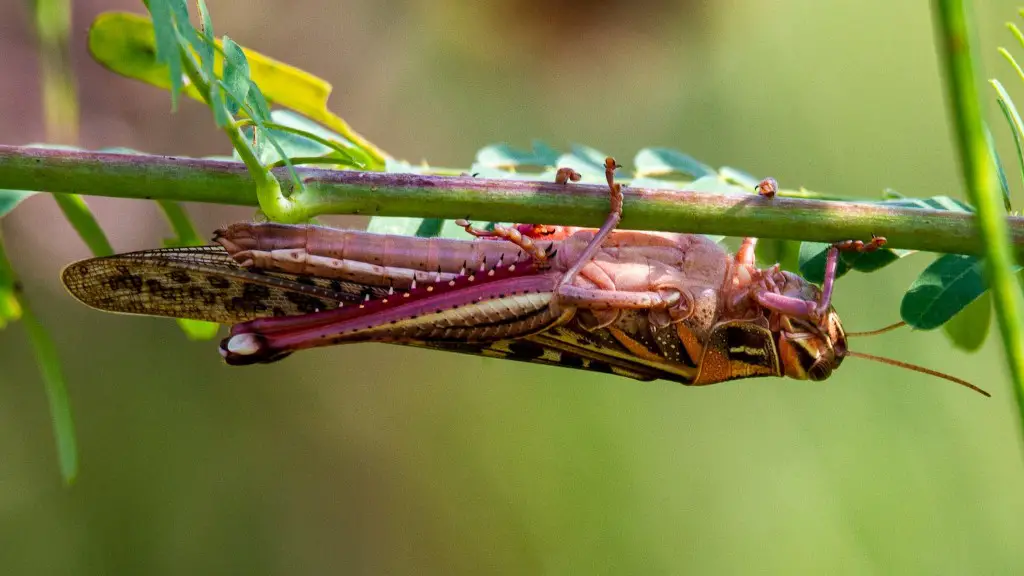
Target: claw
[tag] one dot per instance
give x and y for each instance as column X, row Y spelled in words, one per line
column 860, row 246
column 767, row 188
column 564, row 175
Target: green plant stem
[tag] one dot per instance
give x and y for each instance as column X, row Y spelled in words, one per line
column 1009, row 110
column 335, row 146
column 268, row 190
column 482, row 200
column 184, row 231
column 53, row 379
column 83, row 221
column 955, row 35
column 241, row 145
column 60, row 99
column 60, row 108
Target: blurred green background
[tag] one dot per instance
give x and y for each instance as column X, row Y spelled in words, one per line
column 374, row 459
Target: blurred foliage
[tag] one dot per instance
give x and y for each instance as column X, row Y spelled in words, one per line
column 984, row 178
column 393, row 460
column 60, row 111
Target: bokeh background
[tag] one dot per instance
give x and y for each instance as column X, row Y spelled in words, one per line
column 372, row 459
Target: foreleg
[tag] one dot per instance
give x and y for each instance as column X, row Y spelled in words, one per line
column 792, row 306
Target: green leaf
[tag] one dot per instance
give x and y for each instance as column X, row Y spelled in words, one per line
column 258, row 106
column 449, row 229
column 9, row 199
column 505, row 162
column 396, row 225
column 812, row 262
column 505, row 157
column 393, row 166
column 84, row 222
column 932, row 203
column 942, row 290
column 813, row 255
column 166, row 43
column 716, row 185
column 589, row 162
column 300, row 137
column 185, row 233
column 204, row 19
column 545, row 153
column 10, row 308
column 46, row 358
column 221, row 106
column 198, row 330
column 1003, row 184
column 968, row 329
column 659, row 184
column 125, row 44
column 236, row 74
column 205, row 46
column 1009, row 110
column 482, row 171
column 665, row 162
column 293, row 141
column 57, row 394
column 300, row 122
column 738, row 177
column 786, row 253
column 711, row 184
column 430, row 227
column 270, row 187
column 421, row 227
column 872, row 261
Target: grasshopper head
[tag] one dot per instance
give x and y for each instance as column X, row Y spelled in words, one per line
column 809, row 350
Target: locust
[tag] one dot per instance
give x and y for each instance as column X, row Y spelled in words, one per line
column 638, row 304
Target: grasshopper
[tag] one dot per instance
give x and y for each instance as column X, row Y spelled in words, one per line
column 644, row 305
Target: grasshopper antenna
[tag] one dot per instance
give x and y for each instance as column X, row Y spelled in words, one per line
column 907, row 365
column 916, row 368
column 888, row 328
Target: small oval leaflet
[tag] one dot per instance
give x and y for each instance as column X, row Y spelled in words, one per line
column 942, row 290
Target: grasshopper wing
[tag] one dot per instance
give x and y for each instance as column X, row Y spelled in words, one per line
column 201, row 283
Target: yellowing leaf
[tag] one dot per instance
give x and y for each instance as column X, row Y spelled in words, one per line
column 10, row 310
column 125, row 44
column 198, row 329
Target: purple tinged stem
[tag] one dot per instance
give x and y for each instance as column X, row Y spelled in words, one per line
column 383, row 194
